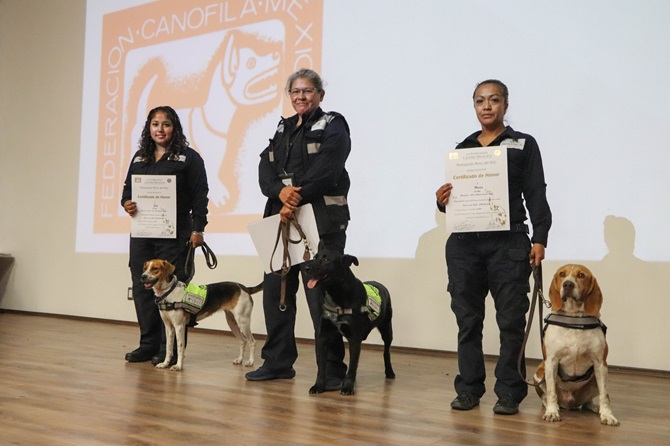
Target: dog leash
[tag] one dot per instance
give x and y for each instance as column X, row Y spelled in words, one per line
column 189, row 266
column 284, row 234
column 537, row 296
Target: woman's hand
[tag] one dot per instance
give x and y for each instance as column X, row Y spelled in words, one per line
column 290, row 196
column 443, row 193
column 130, row 207
column 286, row 212
column 197, row 239
column 536, row 254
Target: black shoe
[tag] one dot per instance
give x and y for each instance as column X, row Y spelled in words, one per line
column 139, row 355
column 264, row 374
column 333, row 384
column 506, row 405
column 465, row 401
column 161, row 357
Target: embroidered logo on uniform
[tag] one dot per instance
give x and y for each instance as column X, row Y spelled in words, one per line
column 514, row 143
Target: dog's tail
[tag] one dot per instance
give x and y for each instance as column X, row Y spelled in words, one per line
column 253, row 290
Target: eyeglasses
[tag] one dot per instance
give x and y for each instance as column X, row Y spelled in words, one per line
column 301, row 91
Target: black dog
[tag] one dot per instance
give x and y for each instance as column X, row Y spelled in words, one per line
column 347, row 306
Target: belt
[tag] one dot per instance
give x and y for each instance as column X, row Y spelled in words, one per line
column 519, row 227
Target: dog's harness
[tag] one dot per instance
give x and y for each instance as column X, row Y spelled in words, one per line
column 159, row 300
column 192, row 302
column 372, row 305
column 576, row 322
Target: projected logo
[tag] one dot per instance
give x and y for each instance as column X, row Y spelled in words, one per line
column 222, row 66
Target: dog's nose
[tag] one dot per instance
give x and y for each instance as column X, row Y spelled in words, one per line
column 568, row 285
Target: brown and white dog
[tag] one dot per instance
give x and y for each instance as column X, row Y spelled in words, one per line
column 573, row 374
column 231, row 297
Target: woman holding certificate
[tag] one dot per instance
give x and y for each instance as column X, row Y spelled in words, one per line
column 303, row 164
column 499, row 262
column 163, row 150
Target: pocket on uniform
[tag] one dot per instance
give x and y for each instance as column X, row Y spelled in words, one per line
column 518, row 254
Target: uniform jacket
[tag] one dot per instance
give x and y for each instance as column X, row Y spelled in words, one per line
column 315, row 153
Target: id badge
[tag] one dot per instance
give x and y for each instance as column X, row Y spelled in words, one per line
column 287, row 179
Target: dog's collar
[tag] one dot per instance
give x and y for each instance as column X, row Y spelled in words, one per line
column 577, row 322
column 167, row 293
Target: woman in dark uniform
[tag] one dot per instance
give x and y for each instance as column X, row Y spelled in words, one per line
column 164, row 150
column 498, row 262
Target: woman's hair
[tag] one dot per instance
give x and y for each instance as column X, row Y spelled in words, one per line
column 308, row 74
column 178, row 143
column 502, row 86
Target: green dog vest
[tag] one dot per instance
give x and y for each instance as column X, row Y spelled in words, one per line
column 374, row 300
column 194, row 298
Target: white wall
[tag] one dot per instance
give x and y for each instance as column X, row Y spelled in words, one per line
column 41, row 72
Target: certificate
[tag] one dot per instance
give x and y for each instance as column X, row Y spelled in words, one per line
column 156, row 199
column 264, row 235
column 479, row 201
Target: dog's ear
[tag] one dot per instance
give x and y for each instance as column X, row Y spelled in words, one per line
column 321, row 246
column 347, row 260
column 555, row 291
column 594, row 299
column 169, row 267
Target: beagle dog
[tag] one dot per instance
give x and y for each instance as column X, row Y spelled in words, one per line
column 178, row 306
column 573, row 374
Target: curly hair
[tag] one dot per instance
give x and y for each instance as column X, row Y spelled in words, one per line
column 178, row 143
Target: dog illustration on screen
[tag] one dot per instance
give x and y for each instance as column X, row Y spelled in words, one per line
column 239, row 84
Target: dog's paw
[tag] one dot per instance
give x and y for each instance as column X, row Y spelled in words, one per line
column 162, row 365
column 348, row 390
column 238, row 361
column 176, row 368
column 249, row 363
column 390, row 374
column 316, row 389
column 551, row 415
column 608, row 419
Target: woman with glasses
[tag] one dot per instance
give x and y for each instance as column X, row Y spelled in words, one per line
column 304, row 163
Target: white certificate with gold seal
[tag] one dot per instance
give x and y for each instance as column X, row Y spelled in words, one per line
column 479, row 200
column 156, row 199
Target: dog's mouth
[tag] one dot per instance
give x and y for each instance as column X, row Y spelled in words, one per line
column 311, row 283
column 149, row 283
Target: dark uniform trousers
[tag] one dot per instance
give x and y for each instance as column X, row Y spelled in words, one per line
column 280, row 351
column 152, row 331
column 477, row 263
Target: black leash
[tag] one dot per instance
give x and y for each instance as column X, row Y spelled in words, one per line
column 189, row 266
column 537, row 296
column 284, row 234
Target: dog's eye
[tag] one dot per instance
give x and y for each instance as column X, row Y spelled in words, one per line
column 581, row 275
column 562, row 274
